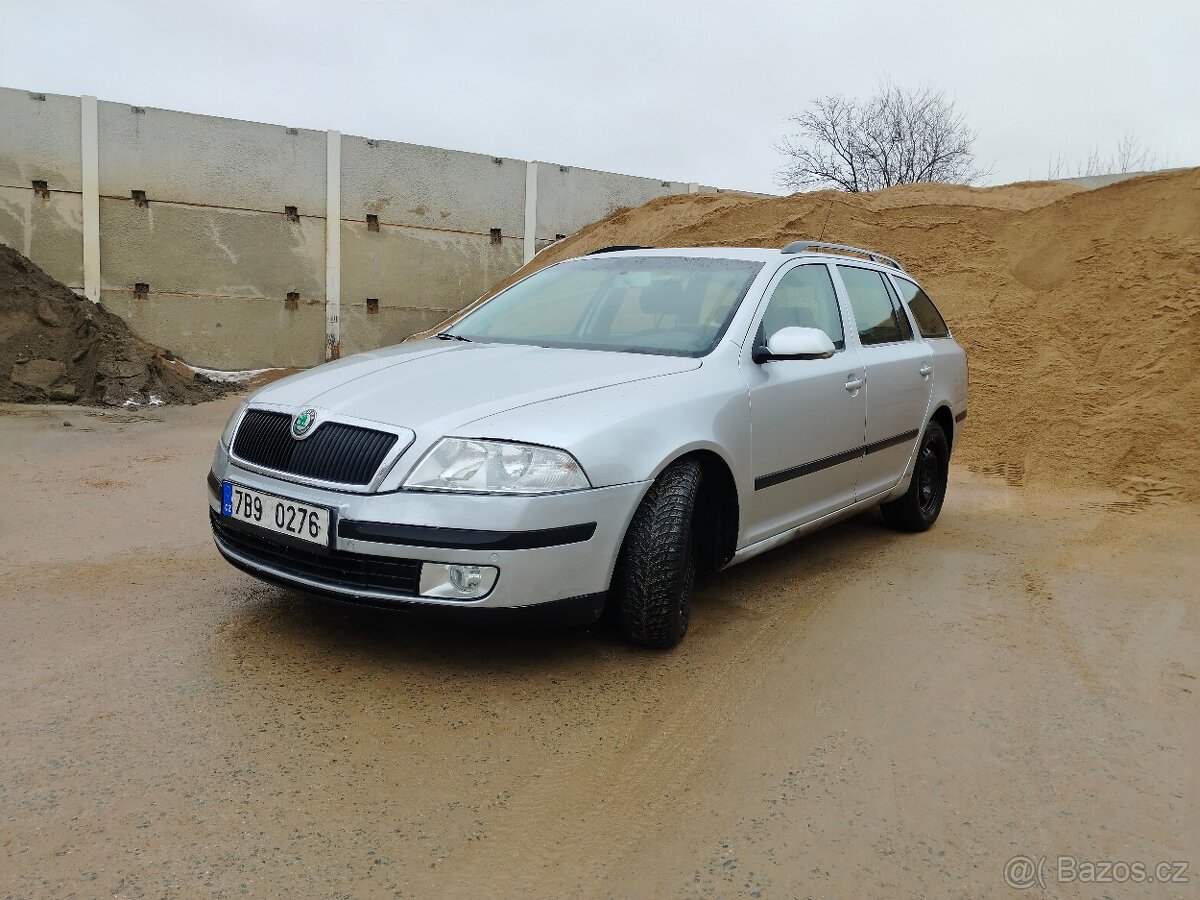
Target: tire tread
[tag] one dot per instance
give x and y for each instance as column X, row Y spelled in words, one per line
column 657, row 563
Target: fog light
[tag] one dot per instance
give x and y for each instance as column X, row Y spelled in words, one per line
column 455, row 581
column 466, row 579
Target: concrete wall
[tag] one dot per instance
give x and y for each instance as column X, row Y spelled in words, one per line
column 220, row 254
column 568, row 197
column 433, row 252
column 214, row 243
column 39, row 141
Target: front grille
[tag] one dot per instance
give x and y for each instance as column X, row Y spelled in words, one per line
column 346, row 454
column 334, row 569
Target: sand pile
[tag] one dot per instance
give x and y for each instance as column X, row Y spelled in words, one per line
column 1079, row 310
column 57, row 347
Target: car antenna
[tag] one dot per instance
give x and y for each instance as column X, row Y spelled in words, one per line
column 828, row 209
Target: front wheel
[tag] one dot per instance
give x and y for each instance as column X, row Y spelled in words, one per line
column 921, row 504
column 652, row 585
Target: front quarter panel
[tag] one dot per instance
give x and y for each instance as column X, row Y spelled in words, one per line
column 631, row 432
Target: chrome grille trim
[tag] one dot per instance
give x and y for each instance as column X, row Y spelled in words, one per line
column 404, row 438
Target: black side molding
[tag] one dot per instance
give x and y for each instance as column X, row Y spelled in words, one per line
column 464, row 538
column 213, row 485
column 960, row 417
column 891, row 442
column 766, row 481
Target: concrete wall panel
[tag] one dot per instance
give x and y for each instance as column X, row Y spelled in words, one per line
column 49, row 232
column 39, row 139
column 209, row 160
column 418, row 276
column 416, row 268
column 226, row 332
column 368, row 331
column 569, row 198
column 407, row 184
column 212, row 252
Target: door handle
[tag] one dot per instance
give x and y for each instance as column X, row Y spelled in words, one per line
column 853, row 384
column 925, row 369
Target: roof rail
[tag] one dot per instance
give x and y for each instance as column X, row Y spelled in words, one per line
column 805, row 246
column 617, row 247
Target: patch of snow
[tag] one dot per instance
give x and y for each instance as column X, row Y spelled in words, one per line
column 130, row 403
column 156, row 400
column 230, row 377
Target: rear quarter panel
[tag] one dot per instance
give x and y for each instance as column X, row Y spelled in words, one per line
column 950, row 379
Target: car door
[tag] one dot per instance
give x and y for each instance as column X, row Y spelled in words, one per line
column 807, row 415
column 899, row 376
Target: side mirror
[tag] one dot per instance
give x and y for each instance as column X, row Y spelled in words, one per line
column 795, row 342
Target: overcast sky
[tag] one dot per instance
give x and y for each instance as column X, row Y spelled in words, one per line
column 685, row 91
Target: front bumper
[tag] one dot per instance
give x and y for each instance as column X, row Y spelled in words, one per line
column 555, row 548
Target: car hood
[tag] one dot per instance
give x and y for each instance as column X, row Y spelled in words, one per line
column 444, row 386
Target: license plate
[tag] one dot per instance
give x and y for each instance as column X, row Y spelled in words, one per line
column 278, row 514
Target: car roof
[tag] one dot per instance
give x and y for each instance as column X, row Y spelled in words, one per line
column 757, row 254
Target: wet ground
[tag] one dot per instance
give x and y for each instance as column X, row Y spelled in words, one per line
column 861, row 713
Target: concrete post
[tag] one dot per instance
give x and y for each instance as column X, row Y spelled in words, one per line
column 89, row 144
column 530, row 210
column 333, row 244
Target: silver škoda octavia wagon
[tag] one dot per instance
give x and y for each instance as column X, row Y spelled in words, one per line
column 598, row 433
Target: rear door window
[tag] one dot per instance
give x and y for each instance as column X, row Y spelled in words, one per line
column 929, row 320
column 875, row 311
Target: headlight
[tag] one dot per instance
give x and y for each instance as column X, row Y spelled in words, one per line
column 494, row 467
column 231, row 425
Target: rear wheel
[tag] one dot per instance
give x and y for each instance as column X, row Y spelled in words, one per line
column 921, row 504
column 652, row 586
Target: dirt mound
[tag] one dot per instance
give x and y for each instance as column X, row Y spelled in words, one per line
column 55, row 346
column 1079, row 310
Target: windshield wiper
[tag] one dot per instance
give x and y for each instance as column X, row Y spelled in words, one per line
column 447, row 336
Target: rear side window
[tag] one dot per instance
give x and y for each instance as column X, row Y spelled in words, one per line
column 929, row 320
column 875, row 312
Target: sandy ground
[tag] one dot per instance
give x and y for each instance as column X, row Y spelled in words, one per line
column 861, row 713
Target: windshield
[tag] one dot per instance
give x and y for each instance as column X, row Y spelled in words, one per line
column 671, row 305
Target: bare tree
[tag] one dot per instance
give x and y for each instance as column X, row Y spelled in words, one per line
column 1128, row 156
column 898, row 136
